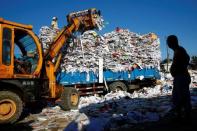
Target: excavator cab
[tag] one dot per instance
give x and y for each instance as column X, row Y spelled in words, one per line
column 21, row 51
column 25, row 53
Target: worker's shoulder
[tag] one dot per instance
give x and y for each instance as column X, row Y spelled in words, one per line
column 181, row 49
column 181, row 52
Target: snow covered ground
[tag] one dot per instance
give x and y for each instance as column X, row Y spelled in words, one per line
column 112, row 110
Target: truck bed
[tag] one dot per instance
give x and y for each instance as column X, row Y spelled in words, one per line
column 72, row 78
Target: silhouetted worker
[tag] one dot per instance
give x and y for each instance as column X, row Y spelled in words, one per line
column 180, row 93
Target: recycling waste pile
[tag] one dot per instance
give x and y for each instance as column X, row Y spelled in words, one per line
column 114, row 110
column 119, row 49
column 47, row 34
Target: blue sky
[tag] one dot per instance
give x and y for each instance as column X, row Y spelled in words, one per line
column 163, row 17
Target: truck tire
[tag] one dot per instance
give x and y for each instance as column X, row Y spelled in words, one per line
column 69, row 98
column 117, row 86
column 11, row 107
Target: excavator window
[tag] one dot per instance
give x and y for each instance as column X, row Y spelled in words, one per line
column 25, row 52
column 6, row 52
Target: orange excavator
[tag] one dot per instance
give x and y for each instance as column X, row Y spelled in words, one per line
column 27, row 73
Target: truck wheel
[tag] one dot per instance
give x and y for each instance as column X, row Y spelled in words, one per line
column 69, row 99
column 117, row 86
column 10, row 107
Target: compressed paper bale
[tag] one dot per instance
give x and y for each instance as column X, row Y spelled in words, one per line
column 119, row 50
column 46, row 36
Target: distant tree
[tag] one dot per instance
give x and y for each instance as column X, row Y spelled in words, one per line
column 166, row 61
column 194, row 59
column 193, row 62
column 163, row 65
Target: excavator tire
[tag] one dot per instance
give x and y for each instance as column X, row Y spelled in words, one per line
column 69, row 98
column 118, row 85
column 11, row 107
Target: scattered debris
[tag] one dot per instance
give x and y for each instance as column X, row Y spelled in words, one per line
column 116, row 109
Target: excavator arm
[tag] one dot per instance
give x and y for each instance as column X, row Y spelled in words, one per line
column 77, row 21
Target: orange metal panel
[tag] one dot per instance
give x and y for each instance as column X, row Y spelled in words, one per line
column 6, row 71
column 12, row 55
column 23, row 76
column 52, row 78
column 39, row 48
column 61, row 39
column 57, row 64
column 0, row 44
column 3, row 21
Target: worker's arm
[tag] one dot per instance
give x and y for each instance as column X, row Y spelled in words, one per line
column 174, row 65
column 180, row 62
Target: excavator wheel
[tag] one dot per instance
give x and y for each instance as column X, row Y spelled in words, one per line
column 118, row 85
column 10, row 107
column 69, row 98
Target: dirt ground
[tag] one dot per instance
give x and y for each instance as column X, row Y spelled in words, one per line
column 165, row 124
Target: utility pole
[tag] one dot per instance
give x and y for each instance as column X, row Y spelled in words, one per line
column 167, row 53
column 167, row 57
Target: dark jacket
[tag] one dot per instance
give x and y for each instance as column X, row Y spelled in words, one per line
column 180, row 62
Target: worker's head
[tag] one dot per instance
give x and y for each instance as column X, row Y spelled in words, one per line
column 172, row 42
column 54, row 18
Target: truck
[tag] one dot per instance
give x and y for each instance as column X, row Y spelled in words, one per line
column 106, row 80
column 32, row 76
